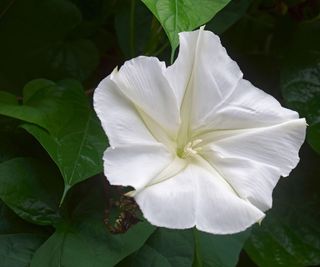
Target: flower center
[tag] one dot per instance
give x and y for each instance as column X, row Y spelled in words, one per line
column 190, row 149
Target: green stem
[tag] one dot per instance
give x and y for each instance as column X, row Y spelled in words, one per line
column 65, row 191
column 172, row 55
column 132, row 28
column 197, row 262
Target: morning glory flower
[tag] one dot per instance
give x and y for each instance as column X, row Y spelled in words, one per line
column 200, row 145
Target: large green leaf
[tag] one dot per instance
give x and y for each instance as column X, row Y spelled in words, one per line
column 183, row 15
column 165, row 248
column 32, row 189
column 64, row 124
column 78, row 154
column 290, row 233
column 179, row 248
column 11, row 223
column 83, row 240
column 301, row 90
column 16, row 250
column 218, row 250
column 89, row 245
column 289, row 239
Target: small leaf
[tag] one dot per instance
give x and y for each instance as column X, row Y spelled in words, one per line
column 183, row 15
column 31, row 188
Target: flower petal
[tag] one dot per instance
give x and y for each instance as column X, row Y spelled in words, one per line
column 253, row 160
column 170, row 203
column 119, row 117
column 250, row 179
column 196, row 197
column 246, row 107
column 141, row 80
column 136, row 165
column 277, row 145
column 220, row 210
column 204, row 67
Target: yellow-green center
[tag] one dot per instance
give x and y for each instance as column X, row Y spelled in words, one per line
column 190, row 149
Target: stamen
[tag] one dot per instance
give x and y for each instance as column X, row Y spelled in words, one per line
column 190, row 148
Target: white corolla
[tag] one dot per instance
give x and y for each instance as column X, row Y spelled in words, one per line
column 200, row 145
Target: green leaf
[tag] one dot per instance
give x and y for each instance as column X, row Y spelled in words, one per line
column 31, row 188
column 18, row 239
column 290, row 233
column 301, row 90
column 183, row 15
column 179, row 248
column 65, row 126
column 78, row 154
column 10, row 223
column 287, row 239
column 229, row 15
column 90, row 245
column 16, row 250
column 218, row 250
column 165, row 248
column 84, row 240
column 8, row 98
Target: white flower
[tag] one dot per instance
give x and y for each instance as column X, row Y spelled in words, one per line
column 201, row 145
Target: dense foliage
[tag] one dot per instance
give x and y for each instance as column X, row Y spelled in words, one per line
column 57, row 208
